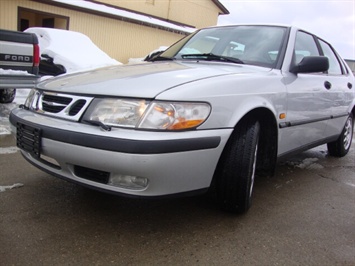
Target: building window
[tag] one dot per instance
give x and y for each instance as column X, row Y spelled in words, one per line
column 32, row 18
column 24, row 24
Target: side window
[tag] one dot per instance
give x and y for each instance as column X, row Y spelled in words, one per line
column 334, row 66
column 346, row 70
column 304, row 46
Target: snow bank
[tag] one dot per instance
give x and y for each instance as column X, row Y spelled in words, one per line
column 74, row 50
column 12, row 72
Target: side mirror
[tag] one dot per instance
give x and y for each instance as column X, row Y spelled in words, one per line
column 311, row 64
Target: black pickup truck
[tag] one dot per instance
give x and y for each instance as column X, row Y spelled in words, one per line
column 19, row 62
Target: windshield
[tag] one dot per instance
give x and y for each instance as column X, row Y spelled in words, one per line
column 256, row 45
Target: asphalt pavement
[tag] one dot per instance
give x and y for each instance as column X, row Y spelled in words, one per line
column 304, row 215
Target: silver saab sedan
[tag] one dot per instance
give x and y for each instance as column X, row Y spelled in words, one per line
column 213, row 111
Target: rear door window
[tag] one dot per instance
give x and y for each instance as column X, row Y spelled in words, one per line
column 334, row 65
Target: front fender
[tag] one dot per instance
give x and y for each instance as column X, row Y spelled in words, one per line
column 233, row 96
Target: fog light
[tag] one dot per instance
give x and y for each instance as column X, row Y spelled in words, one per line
column 127, row 181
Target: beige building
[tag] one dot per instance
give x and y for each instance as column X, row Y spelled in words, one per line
column 351, row 64
column 122, row 28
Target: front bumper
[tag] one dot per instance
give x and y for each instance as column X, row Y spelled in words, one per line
column 172, row 162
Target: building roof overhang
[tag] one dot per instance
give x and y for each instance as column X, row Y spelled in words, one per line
column 221, row 7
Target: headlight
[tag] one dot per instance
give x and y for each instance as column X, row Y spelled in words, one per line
column 117, row 112
column 158, row 115
column 175, row 115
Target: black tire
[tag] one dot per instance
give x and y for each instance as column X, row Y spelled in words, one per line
column 341, row 146
column 7, row 95
column 235, row 174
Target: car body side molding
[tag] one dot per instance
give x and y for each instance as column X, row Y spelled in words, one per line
column 309, row 121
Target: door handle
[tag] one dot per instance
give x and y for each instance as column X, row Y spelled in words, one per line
column 327, row 85
column 350, row 86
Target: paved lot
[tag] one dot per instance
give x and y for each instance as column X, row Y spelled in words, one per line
column 305, row 215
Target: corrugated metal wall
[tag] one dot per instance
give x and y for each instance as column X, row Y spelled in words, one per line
column 200, row 14
column 197, row 13
column 8, row 14
column 158, row 8
column 121, row 40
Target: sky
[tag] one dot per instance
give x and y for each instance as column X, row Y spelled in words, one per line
column 333, row 21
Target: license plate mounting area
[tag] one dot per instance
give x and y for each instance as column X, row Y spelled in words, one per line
column 28, row 138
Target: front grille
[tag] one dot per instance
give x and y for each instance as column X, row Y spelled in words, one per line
column 57, row 99
column 76, row 107
column 66, row 106
column 92, row 174
column 54, row 103
column 52, row 108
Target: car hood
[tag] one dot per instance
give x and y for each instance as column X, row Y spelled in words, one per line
column 144, row 80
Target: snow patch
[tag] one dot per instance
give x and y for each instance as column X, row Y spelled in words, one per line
column 315, row 166
column 9, row 150
column 17, row 185
column 12, row 72
column 308, row 163
column 5, row 110
column 4, row 130
column 350, row 184
column 22, row 93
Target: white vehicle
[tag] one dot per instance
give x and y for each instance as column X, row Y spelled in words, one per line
column 212, row 112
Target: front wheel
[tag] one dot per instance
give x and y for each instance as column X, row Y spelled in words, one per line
column 235, row 172
column 341, row 146
column 7, row 95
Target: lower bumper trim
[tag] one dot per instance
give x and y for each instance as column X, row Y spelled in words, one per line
column 122, row 145
column 121, row 194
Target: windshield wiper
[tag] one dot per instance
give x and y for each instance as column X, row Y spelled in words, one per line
column 161, row 58
column 213, row 57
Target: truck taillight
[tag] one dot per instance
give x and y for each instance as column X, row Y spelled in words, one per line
column 35, row 55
